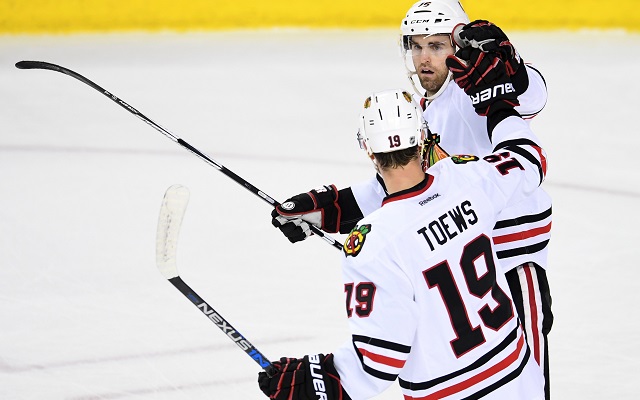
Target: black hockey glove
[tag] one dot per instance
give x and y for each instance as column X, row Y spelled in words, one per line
column 310, row 378
column 484, row 78
column 318, row 207
column 488, row 37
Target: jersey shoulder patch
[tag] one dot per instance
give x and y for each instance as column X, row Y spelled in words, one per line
column 463, row 158
column 354, row 242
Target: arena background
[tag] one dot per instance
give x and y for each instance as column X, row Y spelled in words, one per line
column 84, row 313
column 70, row 16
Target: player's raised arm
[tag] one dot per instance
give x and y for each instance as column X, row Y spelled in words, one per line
column 517, row 156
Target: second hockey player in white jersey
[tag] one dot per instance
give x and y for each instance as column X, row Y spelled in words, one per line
column 425, row 300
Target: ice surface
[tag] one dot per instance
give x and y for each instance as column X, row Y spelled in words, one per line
column 84, row 313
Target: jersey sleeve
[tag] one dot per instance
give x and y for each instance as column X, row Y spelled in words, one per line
column 534, row 98
column 369, row 194
column 513, row 171
column 382, row 319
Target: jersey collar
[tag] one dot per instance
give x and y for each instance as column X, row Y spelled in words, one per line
column 411, row 192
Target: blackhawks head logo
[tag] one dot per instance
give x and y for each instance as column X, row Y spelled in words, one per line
column 355, row 241
column 463, row 158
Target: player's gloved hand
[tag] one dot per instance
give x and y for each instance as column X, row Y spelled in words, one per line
column 309, row 378
column 483, row 76
column 488, row 37
column 318, row 207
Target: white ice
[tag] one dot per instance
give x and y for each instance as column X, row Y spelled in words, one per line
column 84, row 313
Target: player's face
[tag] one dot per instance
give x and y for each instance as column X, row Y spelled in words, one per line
column 429, row 54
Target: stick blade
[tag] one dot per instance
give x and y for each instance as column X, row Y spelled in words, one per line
column 174, row 205
column 35, row 65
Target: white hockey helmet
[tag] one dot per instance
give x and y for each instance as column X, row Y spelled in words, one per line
column 436, row 17
column 390, row 121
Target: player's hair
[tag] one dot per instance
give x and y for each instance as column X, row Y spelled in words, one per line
column 396, row 159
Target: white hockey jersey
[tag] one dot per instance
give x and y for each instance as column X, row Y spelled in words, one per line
column 522, row 231
column 424, row 299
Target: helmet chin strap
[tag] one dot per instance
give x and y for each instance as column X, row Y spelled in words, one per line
column 421, row 91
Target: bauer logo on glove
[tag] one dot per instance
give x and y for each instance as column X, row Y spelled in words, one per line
column 489, row 93
column 484, row 78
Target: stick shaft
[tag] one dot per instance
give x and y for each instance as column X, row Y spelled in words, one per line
column 241, row 181
column 224, row 325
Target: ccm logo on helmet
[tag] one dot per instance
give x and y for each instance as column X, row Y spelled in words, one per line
column 488, row 93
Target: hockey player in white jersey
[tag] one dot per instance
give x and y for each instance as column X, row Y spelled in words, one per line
column 426, row 302
column 522, row 232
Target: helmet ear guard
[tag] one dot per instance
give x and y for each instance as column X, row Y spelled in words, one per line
column 390, row 121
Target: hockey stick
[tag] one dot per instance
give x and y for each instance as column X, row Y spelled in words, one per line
column 172, row 211
column 184, row 144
